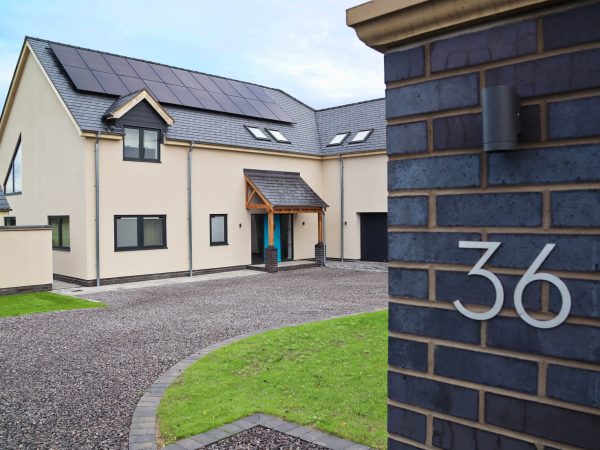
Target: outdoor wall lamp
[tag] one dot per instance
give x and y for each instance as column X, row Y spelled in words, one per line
column 501, row 120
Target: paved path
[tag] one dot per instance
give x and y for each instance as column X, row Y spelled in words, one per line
column 72, row 379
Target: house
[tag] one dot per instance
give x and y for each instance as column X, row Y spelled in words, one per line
column 146, row 170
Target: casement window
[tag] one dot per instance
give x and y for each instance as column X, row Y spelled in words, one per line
column 10, row 221
column 141, row 144
column 140, row 232
column 218, row 229
column 61, row 232
column 13, row 183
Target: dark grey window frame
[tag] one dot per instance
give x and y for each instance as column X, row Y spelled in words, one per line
column 370, row 132
column 225, row 234
column 10, row 168
column 347, row 133
column 12, row 219
column 287, row 141
column 61, row 247
column 141, row 144
column 140, row 232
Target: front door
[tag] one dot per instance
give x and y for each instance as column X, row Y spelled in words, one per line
column 283, row 239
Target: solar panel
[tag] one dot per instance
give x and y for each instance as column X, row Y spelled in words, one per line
column 95, row 61
column 115, row 75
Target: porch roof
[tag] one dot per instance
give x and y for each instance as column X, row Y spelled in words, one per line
column 283, row 190
column 4, row 206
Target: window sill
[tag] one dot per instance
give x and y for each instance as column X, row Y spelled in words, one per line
column 62, row 249
column 135, row 249
column 217, row 244
column 155, row 161
column 8, row 194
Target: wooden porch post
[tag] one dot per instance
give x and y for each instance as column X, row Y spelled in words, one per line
column 320, row 229
column 271, row 229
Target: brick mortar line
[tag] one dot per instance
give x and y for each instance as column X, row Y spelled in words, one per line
column 146, row 415
column 482, row 68
column 494, row 189
column 483, row 427
column 505, row 312
column 496, row 351
column 540, row 145
column 497, row 230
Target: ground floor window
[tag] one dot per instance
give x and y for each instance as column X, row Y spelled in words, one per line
column 140, row 232
column 61, row 232
column 218, row 229
column 10, row 221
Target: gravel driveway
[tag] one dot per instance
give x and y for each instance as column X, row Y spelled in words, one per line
column 71, row 380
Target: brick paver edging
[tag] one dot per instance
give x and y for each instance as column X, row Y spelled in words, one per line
column 144, row 428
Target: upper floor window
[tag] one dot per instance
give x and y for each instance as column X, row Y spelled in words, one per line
column 278, row 136
column 338, row 139
column 10, row 221
column 361, row 136
column 61, row 233
column 257, row 133
column 13, row 184
column 141, row 144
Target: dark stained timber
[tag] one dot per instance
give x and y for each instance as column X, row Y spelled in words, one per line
column 84, row 79
column 115, row 75
column 95, row 61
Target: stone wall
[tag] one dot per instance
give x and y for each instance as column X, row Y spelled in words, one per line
column 458, row 383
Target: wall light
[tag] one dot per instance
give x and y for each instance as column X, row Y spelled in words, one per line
column 501, row 121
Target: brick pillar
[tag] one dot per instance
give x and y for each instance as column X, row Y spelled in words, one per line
column 271, row 259
column 320, row 254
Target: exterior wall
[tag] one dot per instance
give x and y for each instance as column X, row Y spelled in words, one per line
column 53, row 156
column 26, row 262
column 457, row 383
column 364, row 191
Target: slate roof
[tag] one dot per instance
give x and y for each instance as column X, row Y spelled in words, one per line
column 284, row 189
column 311, row 131
column 4, row 206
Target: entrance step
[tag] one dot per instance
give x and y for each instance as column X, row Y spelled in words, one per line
column 286, row 265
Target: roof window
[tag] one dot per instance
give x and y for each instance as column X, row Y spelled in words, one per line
column 361, row 136
column 278, row 136
column 338, row 139
column 257, row 133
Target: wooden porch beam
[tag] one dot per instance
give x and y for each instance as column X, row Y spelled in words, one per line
column 271, row 229
column 320, row 228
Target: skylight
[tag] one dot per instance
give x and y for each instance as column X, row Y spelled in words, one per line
column 338, row 139
column 361, row 136
column 278, row 136
column 257, row 133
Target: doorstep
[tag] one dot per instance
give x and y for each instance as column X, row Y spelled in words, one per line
column 286, row 265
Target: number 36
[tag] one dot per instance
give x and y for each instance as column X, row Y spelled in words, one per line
column 529, row 277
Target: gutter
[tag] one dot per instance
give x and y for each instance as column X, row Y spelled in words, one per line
column 97, row 192
column 189, row 199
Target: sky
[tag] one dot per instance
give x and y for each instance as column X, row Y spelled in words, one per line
column 300, row 46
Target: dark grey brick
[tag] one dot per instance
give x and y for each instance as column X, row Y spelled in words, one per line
column 576, row 209
column 484, row 46
column 551, row 75
column 433, row 322
column 574, row 164
column 574, row 118
column 461, row 131
column 407, row 423
column 408, row 282
column 408, row 211
column 475, row 290
column 434, row 172
column 434, row 95
column 576, row 342
column 404, row 65
column 574, row 385
column 407, row 354
column 550, row 422
column 559, row 31
column 585, row 298
column 574, row 253
column 432, row 247
column 484, row 368
column 530, row 124
column 407, row 138
column 396, row 445
column 453, row 436
column 490, row 210
column 433, row 395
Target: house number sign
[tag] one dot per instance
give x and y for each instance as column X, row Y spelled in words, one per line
column 529, row 277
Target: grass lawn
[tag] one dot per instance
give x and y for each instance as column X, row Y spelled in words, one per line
column 38, row 302
column 330, row 375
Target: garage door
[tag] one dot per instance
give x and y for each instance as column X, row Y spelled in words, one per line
column 373, row 237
